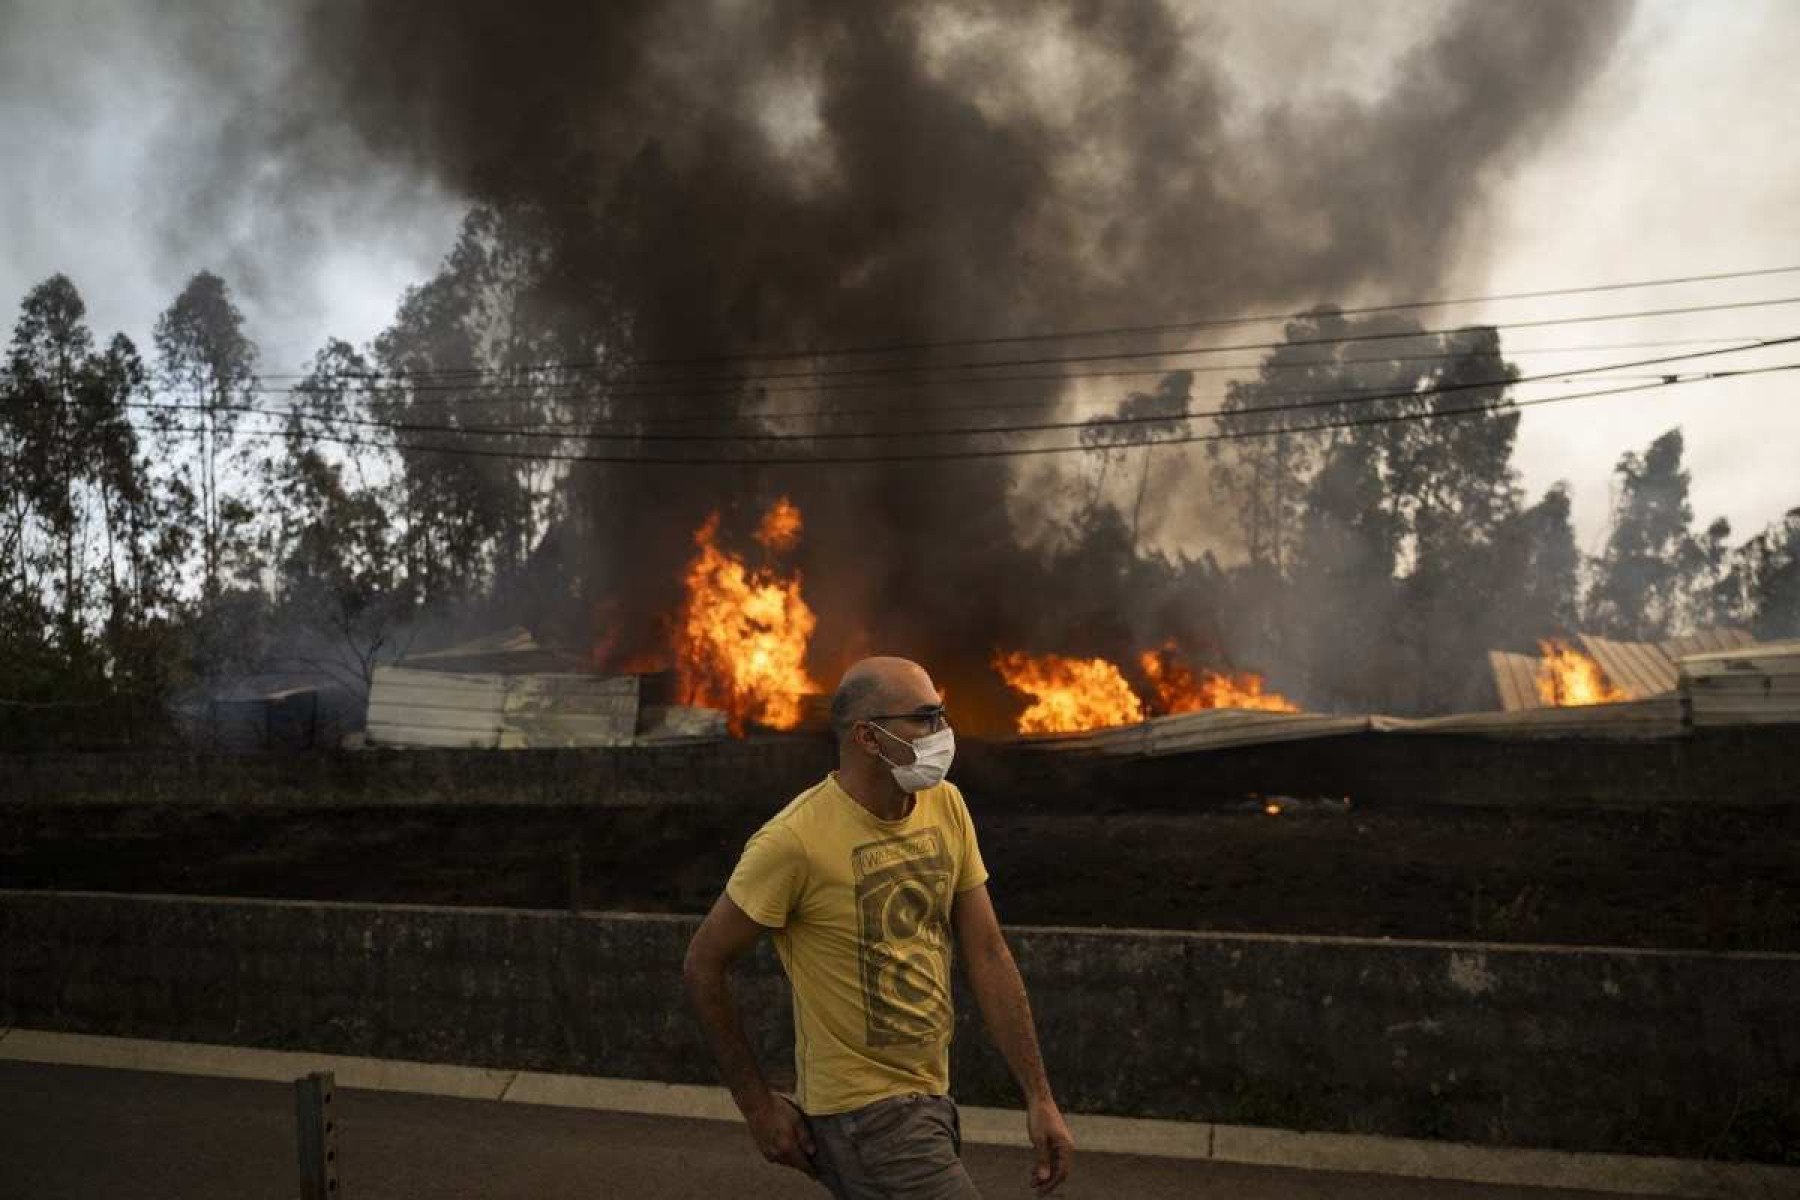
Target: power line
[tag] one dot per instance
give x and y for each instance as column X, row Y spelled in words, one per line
column 577, row 425
column 1030, row 451
column 1347, row 339
column 1200, row 323
column 1223, row 322
column 1092, row 423
column 915, row 369
column 561, row 392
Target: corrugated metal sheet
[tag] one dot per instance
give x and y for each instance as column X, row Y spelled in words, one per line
column 1515, row 679
column 1656, row 717
column 451, row 709
column 1639, row 669
column 509, row 652
column 1184, row 732
column 1754, row 685
column 435, row 708
column 1216, row 729
column 569, row 710
column 680, row 723
column 1211, row 729
column 1708, row 641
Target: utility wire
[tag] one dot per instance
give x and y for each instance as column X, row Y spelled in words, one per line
column 574, row 426
column 1021, row 452
column 584, row 389
column 1201, row 323
column 1090, row 424
column 740, row 379
column 1346, row 339
column 1224, row 322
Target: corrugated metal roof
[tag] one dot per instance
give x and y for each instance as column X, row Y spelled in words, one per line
column 1238, row 727
column 1216, row 729
column 1708, row 641
column 452, row 709
column 515, row 637
column 1639, row 669
column 1656, row 717
column 511, row 651
column 1515, row 678
column 1209, row 729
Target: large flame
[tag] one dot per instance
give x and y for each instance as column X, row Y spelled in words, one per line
column 1567, row 678
column 1069, row 694
column 1072, row 694
column 741, row 641
column 1179, row 689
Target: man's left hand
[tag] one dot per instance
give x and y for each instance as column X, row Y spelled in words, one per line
column 1055, row 1146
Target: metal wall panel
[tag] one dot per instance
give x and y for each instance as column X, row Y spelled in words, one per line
column 444, row 708
column 1754, row 685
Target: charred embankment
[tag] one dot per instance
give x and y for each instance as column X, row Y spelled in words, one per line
column 1545, row 844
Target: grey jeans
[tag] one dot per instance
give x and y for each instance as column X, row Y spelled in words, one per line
column 904, row 1148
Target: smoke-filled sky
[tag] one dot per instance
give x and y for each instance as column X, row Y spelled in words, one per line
column 1206, row 160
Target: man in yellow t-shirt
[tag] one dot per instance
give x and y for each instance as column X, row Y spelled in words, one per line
column 864, row 880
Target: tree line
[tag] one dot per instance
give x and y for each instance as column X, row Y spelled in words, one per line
column 157, row 534
column 1368, row 480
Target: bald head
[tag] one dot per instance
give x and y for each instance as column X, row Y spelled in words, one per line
column 880, row 686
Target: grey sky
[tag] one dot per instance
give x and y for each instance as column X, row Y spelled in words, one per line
column 1681, row 158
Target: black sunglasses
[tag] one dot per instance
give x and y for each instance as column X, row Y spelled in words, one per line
column 933, row 715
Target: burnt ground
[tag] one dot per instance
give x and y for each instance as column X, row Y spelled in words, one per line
column 1673, row 877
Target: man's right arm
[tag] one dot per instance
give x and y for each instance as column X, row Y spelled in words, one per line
column 724, row 936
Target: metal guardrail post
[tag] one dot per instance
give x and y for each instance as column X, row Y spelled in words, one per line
column 315, row 1107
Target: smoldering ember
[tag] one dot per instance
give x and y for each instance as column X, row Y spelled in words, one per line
column 504, row 505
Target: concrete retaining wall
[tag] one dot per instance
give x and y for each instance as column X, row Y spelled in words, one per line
column 751, row 772
column 1595, row 1049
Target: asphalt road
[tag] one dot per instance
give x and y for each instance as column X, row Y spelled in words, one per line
column 92, row 1133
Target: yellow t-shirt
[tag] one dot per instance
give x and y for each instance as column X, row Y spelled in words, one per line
column 861, row 913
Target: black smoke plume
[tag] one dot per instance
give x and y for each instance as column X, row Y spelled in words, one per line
column 714, row 179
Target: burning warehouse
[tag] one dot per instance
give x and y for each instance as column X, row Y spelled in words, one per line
column 736, row 660
column 737, row 651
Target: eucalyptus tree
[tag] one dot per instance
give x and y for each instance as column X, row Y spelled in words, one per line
column 51, row 423
column 1652, row 557
column 206, row 368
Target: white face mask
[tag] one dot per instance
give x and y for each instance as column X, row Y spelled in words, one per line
column 931, row 759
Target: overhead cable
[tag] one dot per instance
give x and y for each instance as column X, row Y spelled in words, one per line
column 1016, row 452
column 1180, row 326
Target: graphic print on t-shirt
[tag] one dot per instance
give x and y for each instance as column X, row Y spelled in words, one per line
column 903, row 910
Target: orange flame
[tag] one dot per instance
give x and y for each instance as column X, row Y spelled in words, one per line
column 1567, row 678
column 1069, row 694
column 1179, row 690
column 741, row 641
column 780, row 528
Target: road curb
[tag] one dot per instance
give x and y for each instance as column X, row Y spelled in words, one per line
column 1193, row 1140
